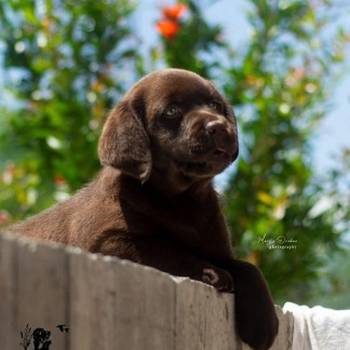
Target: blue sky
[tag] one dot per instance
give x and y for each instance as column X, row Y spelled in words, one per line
column 333, row 133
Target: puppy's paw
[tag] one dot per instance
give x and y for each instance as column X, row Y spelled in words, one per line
column 218, row 278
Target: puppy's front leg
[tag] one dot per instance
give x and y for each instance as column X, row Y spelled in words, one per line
column 256, row 319
column 166, row 255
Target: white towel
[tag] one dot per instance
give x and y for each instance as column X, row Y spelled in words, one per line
column 319, row 328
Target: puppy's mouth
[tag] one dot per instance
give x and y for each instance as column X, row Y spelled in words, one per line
column 200, row 169
column 194, row 167
column 207, row 165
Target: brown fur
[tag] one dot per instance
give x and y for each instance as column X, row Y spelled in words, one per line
column 153, row 201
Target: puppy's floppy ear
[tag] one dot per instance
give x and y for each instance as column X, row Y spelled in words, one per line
column 124, row 143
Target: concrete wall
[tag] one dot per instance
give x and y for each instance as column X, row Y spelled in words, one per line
column 109, row 303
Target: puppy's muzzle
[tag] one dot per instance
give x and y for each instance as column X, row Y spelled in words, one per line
column 223, row 138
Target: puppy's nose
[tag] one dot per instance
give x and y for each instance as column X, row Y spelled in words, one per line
column 218, row 132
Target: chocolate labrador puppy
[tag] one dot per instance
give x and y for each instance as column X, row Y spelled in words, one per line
column 153, row 201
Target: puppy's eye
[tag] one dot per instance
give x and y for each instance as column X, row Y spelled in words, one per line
column 215, row 105
column 172, row 112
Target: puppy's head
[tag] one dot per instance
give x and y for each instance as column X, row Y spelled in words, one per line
column 174, row 122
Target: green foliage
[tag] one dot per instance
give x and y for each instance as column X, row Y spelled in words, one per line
column 280, row 90
column 70, row 61
column 67, row 58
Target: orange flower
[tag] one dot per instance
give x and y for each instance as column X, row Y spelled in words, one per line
column 168, row 28
column 4, row 216
column 169, row 25
column 174, row 12
column 59, row 180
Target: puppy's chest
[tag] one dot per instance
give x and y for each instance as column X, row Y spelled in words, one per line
column 185, row 221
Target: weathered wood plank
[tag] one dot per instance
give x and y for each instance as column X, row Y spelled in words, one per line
column 203, row 318
column 42, row 289
column 115, row 305
column 9, row 337
column 284, row 338
column 92, row 302
column 145, row 308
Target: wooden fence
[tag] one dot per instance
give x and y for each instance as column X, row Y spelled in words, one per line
column 108, row 303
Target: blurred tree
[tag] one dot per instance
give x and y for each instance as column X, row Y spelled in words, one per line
column 64, row 62
column 280, row 89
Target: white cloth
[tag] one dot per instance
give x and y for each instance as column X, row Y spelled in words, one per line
column 319, row 328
